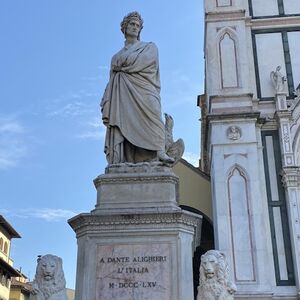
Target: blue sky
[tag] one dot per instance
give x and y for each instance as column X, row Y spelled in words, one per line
column 54, row 58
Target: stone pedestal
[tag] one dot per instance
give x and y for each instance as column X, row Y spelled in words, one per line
column 137, row 243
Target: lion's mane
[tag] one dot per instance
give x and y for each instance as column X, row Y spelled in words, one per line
column 55, row 284
column 219, row 286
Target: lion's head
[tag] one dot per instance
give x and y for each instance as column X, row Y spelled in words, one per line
column 213, row 264
column 214, row 271
column 49, row 275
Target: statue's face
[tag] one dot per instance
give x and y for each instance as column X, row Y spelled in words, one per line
column 48, row 269
column 133, row 28
column 209, row 264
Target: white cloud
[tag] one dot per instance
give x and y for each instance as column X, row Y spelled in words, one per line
column 12, row 142
column 74, row 109
column 10, row 126
column 192, row 158
column 94, row 129
column 47, row 214
column 92, row 135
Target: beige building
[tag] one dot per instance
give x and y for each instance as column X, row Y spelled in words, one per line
column 195, row 196
column 20, row 288
column 7, row 271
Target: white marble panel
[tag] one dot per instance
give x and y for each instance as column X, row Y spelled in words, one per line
column 133, row 272
column 224, row 2
column 272, row 168
column 270, row 55
column 280, row 244
column 265, row 7
column 294, row 38
column 241, row 228
column 291, row 6
column 228, row 61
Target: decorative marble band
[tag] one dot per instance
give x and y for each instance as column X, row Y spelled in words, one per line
column 135, row 178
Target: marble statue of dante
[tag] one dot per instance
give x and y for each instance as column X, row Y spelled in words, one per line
column 131, row 108
column 278, row 79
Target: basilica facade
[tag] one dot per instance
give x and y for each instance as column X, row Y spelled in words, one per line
column 251, row 141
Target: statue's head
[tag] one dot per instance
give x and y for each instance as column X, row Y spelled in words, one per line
column 209, row 263
column 133, row 16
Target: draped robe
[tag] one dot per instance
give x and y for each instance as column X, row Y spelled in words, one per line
column 131, row 108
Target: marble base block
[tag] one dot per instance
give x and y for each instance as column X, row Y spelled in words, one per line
column 136, row 256
column 139, row 187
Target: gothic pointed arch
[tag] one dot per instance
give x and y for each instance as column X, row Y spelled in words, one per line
column 228, row 58
column 240, row 214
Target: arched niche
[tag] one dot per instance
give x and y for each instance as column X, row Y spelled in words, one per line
column 240, row 225
column 228, row 58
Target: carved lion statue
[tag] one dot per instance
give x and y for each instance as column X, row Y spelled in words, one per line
column 49, row 282
column 214, row 280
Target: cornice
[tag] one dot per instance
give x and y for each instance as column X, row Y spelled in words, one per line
column 228, row 15
column 88, row 223
column 136, row 178
column 238, row 115
column 271, row 23
column 283, row 114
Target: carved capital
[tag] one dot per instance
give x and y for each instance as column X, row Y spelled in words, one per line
column 290, row 177
column 283, row 114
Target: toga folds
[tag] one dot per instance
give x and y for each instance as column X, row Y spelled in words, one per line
column 131, row 108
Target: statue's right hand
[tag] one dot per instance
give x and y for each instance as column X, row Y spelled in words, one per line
column 116, row 68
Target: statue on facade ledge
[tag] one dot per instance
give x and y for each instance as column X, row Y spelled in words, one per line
column 278, row 80
column 131, row 108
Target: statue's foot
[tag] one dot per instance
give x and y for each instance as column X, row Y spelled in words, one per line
column 162, row 156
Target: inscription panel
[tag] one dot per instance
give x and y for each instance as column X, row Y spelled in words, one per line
column 137, row 272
